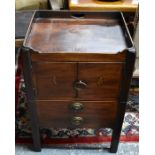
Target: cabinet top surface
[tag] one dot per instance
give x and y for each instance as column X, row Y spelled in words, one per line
column 76, row 35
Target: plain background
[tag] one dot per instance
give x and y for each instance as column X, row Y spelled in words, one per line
column 147, row 77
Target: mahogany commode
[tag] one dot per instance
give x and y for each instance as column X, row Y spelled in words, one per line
column 77, row 69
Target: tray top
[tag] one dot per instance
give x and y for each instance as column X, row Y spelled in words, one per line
column 61, row 35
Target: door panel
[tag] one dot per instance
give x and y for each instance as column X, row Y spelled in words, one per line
column 54, row 80
column 102, row 80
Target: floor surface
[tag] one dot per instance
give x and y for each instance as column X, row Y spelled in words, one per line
column 124, row 149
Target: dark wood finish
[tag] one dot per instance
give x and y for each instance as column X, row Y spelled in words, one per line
column 72, row 36
column 102, row 79
column 64, row 73
column 54, row 80
column 59, row 114
column 127, row 75
column 27, row 72
column 73, row 33
column 77, row 57
column 50, row 84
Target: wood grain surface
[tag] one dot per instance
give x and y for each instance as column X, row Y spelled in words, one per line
column 58, row 114
column 102, row 79
column 54, row 80
column 76, row 36
column 85, row 57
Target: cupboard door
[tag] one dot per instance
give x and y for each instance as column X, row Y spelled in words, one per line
column 97, row 81
column 54, row 80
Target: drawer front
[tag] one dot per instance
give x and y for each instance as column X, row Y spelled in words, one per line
column 69, row 114
column 54, row 80
column 102, row 80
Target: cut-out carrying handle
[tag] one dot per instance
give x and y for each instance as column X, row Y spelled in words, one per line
column 78, row 15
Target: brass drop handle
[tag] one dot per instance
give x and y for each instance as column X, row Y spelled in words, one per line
column 76, row 120
column 79, row 85
column 77, row 106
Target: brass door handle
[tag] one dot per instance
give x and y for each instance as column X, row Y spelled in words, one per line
column 76, row 120
column 79, row 85
column 77, row 106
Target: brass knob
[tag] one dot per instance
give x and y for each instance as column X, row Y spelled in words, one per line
column 77, row 106
column 76, row 120
column 79, row 85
